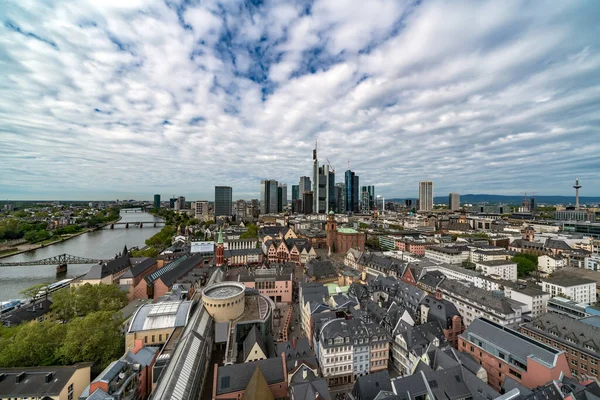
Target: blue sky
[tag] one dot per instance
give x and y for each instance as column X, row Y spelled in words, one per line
column 127, row 98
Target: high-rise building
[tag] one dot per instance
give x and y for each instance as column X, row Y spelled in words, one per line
column 240, row 209
column 352, row 194
column 172, row 202
column 157, row 201
column 331, row 199
column 408, row 203
column 340, row 195
column 268, row 196
column 279, row 199
column 201, row 210
column 295, row 197
column 307, row 202
column 284, row 196
column 425, row 196
column 454, row 201
column 223, row 201
column 305, row 185
column 180, row 204
column 367, row 199
column 315, row 181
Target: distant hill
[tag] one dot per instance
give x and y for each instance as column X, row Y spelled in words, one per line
column 496, row 198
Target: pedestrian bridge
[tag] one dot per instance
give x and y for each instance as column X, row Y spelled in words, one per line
column 61, row 259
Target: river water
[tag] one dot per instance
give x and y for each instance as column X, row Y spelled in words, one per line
column 101, row 244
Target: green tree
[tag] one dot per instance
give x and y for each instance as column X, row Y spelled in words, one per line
column 32, row 344
column 251, row 233
column 82, row 300
column 526, row 263
column 147, row 252
column 96, row 337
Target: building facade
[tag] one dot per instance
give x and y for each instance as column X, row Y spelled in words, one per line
column 425, row 196
column 580, row 290
column 268, row 196
column 223, row 201
column 454, row 201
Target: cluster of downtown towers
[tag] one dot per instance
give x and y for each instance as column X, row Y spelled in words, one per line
column 319, row 195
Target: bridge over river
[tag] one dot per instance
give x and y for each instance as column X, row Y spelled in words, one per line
column 80, row 253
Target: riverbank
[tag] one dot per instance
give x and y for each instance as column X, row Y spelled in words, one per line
column 24, row 248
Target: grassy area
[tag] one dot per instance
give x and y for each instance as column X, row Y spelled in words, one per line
column 8, row 251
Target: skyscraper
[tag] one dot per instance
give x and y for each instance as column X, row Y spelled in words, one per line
column 268, row 196
column 425, row 196
column 340, row 195
column 172, row 202
column 295, row 197
column 352, row 195
column 201, row 210
column 367, row 199
column 331, row 199
column 180, row 205
column 279, row 199
column 284, row 195
column 240, row 209
column 305, row 185
column 315, row 181
column 222, row 201
column 454, row 201
column 157, row 201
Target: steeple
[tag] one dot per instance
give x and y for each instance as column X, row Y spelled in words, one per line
column 220, row 238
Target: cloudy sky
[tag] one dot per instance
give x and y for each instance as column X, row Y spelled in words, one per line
column 127, row 98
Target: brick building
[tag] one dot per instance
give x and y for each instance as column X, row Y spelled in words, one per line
column 340, row 240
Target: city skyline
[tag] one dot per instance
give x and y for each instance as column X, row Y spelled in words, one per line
column 109, row 99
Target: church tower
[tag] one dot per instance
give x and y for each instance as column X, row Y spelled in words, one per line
column 331, row 231
column 220, row 251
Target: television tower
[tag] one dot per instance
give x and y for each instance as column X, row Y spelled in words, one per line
column 576, row 186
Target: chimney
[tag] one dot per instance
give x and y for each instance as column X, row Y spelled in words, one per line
column 294, row 343
column 438, row 295
column 49, row 376
column 138, row 344
column 20, row 377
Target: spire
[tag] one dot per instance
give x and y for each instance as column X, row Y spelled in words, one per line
column 220, row 239
column 125, row 251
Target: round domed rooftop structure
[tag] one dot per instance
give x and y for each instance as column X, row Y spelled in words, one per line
column 224, row 301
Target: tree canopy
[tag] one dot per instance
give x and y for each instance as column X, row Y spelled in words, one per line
column 526, row 263
column 82, row 300
column 251, row 233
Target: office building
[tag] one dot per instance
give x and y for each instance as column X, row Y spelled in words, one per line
column 352, row 182
column 367, row 199
column 157, row 201
column 425, row 196
column 504, row 352
column 332, row 203
column 282, row 200
column 341, row 197
column 295, row 197
column 305, row 185
column 172, row 202
column 180, row 205
column 222, row 201
column 454, row 201
column 268, row 196
column 307, row 202
column 201, row 210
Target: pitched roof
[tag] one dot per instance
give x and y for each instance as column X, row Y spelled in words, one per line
column 440, row 310
column 159, row 272
column 310, row 387
column 257, row 388
column 320, row 269
column 253, row 338
column 139, row 267
column 36, row 381
column 233, row 378
column 369, row 386
column 28, row 312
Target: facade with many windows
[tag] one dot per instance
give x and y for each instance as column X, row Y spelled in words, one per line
column 579, row 341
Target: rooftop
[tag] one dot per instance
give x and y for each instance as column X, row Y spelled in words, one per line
column 516, row 344
column 567, row 281
column 495, row 263
column 37, row 381
column 162, row 315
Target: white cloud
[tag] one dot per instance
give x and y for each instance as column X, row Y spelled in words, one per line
column 144, row 97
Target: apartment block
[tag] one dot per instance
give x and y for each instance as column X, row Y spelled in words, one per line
column 578, row 289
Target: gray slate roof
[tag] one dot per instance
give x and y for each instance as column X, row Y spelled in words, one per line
column 368, row 386
column 139, row 267
column 233, row 378
column 252, row 338
column 34, row 383
column 511, row 341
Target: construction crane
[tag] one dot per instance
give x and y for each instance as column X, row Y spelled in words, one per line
column 331, row 167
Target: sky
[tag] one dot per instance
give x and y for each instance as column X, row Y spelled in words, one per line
column 127, row 98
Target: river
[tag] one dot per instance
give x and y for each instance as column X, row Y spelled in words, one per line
column 100, row 244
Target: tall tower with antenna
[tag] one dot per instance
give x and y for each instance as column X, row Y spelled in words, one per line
column 577, row 186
